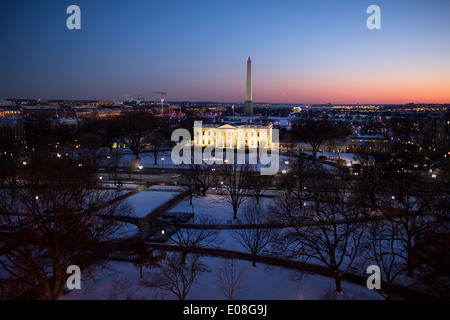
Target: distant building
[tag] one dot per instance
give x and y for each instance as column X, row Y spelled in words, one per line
column 437, row 130
column 369, row 143
column 10, row 112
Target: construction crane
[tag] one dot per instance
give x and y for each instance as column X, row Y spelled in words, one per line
column 162, row 92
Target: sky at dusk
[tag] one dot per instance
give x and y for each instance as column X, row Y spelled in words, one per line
column 314, row 51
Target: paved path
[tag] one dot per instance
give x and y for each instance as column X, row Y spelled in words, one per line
column 150, row 224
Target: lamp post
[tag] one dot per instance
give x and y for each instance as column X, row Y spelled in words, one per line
column 140, row 171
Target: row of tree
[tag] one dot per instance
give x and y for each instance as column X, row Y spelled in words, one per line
column 136, row 130
column 55, row 216
column 396, row 221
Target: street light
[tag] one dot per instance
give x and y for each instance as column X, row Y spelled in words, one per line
column 140, row 171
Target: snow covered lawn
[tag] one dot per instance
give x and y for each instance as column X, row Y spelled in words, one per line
column 146, row 201
column 122, row 282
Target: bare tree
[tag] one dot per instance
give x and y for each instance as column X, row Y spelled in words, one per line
column 327, row 228
column 383, row 249
column 156, row 141
column 59, row 221
column 175, row 277
column 135, row 128
column 9, row 175
column 113, row 163
column 338, row 137
column 144, row 258
column 131, row 166
column 433, row 248
column 204, row 234
column 316, row 133
column 235, row 183
column 200, row 178
column 259, row 184
column 231, row 280
column 407, row 200
column 258, row 235
column 92, row 138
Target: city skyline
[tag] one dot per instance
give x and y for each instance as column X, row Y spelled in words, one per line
column 303, row 51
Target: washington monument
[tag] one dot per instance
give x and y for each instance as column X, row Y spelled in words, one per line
column 248, row 94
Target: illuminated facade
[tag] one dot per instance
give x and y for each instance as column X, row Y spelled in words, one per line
column 231, row 136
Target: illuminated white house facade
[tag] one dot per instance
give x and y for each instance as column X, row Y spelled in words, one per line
column 229, row 136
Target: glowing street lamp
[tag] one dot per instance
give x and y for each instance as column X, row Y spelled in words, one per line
column 140, row 171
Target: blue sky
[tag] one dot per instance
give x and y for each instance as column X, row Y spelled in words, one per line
column 311, row 51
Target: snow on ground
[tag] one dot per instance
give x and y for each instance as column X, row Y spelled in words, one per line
column 348, row 157
column 212, row 205
column 125, row 230
column 122, row 282
column 146, row 201
column 147, row 161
